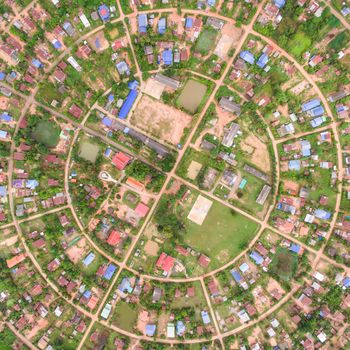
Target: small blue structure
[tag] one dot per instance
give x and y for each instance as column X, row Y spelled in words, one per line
column 211, row 3
column 3, row 134
column 305, row 148
column 89, row 259
column 32, row 184
column 189, row 23
column 247, row 57
column 316, row 112
column 6, row 117
column 167, row 57
column 142, row 20
column 317, row 121
column 126, row 107
column 132, row 85
column 104, row 13
column 244, row 267
column 205, row 317
column 242, row 184
column 108, row 152
column 180, row 328
column 294, row 165
column 280, row 3
column 36, row 63
column 262, row 61
column 3, row 191
column 323, row 214
column 122, row 68
column 107, row 121
column 2, row 75
column 110, row 272
column 162, row 25
column 310, row 104
column 256, row 257
column 236, row 276
column 87, row 294
column 150, row 330
column 346, row 282
column 125, row 285
column 295, row 248
column 56, row 44
column 110, row 98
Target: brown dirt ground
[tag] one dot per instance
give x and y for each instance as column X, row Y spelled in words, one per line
column 151, row 248
column 165, row 122
column 260, row 155
column 76, row 252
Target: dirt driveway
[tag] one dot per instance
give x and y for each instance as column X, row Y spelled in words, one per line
column 162, row 121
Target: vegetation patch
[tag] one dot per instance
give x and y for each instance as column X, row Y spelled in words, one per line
column 47, row 133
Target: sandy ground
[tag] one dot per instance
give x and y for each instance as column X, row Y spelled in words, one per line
column 133, row 24
column 273, row 284
column 193, row 170
column 104, row 44
column 40, row 324
column 75, row 253
column 151, row 248
column 175, row 20
column 165, row 122
column 259, row 152
column 200, row 210
column 230, row 36
column 154, row 88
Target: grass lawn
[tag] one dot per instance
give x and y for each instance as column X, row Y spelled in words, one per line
column 223, row 234
column 284, row 264
column 299, row 44
column 88, row 150
column 197, row 301
column 47, row 133
column 125, row 316
column 206, row 41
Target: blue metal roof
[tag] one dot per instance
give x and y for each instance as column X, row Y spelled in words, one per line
column 205, row 317
column 110, row 272
column 180, row 328
column 32, row 184
column 236, row 276
column 317, row 111
column 256, row 257
column 142, row 19
column 310, row 104
column 280, row 3
column 262, row 61
column 6, row 117
column 87, row 294
column 150, row 330
column 346, row 282
column 317, row 121
column 56, row 44
column 167, row 57
column 36, row 63
column 247, row 56
column 3, row 191
column 295, row 248
column 211, row 2
column 107, row 121
column 322, row 214
column 103, row 11
column 126, row 107
column 122, row 67
column 162, row 25
column 3, row 134
column 132, row 85
column 189, row 22
column 294, row 165
column 2, row 75
column 89, row 259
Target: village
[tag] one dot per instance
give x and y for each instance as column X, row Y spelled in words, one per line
column 174, row 174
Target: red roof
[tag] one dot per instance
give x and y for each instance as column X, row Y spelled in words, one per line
column 203, row 261
column 141, row 210
column 75, row 111
column 181, row 250
column 165, row 262
column 114, row 238
column 120, row 160
column 18, row 156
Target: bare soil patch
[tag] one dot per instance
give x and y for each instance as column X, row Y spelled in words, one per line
column 164, row 122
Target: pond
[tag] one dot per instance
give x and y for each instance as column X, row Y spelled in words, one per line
column 192, row 95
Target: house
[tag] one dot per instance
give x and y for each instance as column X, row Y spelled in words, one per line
column 229, row 134
column 263, row 194
column 69, row 29
column 279, row 3
column 114, row 238
column 230, row 106
column 258, row 259
column 15, row 260
column 168, row 82
column 166, row 263
column 123, row 68
column 110, row 272
column 150, row 330
column 121, row 160
column 315, row 102
column 127, row 105
column 106, row 311
column 322, row 214
column 189, row 23
column 167, row 57
column 89, row 259
column 262, row 61
column 205, row 317
column 247, row 56
column 141, row 210
column 180, row 328
column 170, row 330
column 317, row 121
column 104, row 13
column 75, row 111
column 316, row 112
column 142, row 23
column 294, row 165
column 162, row 25
column 203, row 261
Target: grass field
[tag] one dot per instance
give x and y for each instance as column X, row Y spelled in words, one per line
column 206, row 41
column 124, row 316
column 299, row 44
column 88, row 151
column 223, row 234
column 47, row 133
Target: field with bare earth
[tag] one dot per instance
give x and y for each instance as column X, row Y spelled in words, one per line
column 162, row 121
